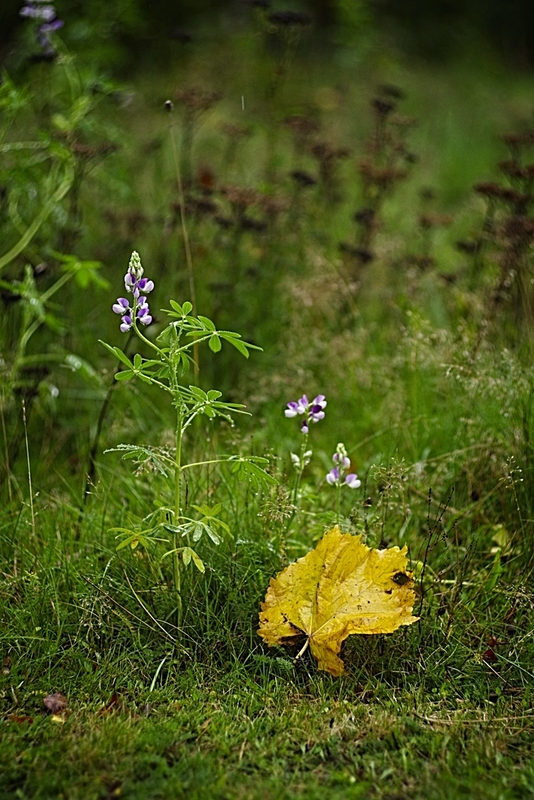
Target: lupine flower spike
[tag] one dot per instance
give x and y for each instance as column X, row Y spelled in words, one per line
column 137, row 309
column 337, row 476
column 313, row 411
column 45, row 13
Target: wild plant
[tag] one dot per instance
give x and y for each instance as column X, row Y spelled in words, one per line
column 387, row 162
column 195, row 102
column 507, row 235
column 338, row 476
column 170, row 358
column 42, row 171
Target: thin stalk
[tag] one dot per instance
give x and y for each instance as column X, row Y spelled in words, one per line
column 30, row 485
column 296, row 487
column 187, row 247
column 6, row 449
column 177, row 502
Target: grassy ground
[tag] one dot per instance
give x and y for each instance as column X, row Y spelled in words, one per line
column 423, row 350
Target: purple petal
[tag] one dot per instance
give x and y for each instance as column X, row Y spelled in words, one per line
column 316, row 413
column 126, row 323
column 304, row 427
column 333, row 476
column 146, row 320
column 50, row 27
column 121, row 306
column 302, row 404
column 320, row 401
column 352, row 481
column 346, row 462
column 145, row 285
column 291, row 410
column 129, row 281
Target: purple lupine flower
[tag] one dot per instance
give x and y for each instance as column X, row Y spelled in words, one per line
column 344, row 460
column 316, row 413
column 144, row 285
column 126, row 323
column 292, row 409
column 333, row 476
column 44, row 12
column 342, row 464
column 313, row 411
column 134, row 283
column 143, row 314
column 121, row 306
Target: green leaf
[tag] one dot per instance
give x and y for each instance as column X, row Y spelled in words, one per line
column 239, row 345
column 197, row 532
column 249, row 467
column 186, row 308
column 215, row 538
column 215, row 343
column 126, row 375
column 177, row 307
column 213, row 394
column 186, row 555
column 198, row 562
column 208, row 324
column 117, row 352
column 198, row 393
column 126, row 542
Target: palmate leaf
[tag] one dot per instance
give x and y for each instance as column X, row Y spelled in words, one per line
column 143, row 454
column 340, row 588
column 251, row 467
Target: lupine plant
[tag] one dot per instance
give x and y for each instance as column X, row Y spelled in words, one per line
column 311, row 412
column 48, row 22
column 171, row 359
column 340, row 476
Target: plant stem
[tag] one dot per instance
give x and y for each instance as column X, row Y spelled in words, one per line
column 187, row 247
column 177, row 500
column 297, row 483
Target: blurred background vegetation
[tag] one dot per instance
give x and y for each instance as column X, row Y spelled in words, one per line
column 129, row 34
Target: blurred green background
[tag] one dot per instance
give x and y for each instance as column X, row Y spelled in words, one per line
column 129, row 33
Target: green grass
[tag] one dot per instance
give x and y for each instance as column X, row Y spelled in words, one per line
column 242, row 734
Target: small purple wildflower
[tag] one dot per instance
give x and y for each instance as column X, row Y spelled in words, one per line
column 46, row 14
column 336, row 476
column 353, row 481
column 343, row 460
column 313, row 411
column 134, row 283
column 333, row 476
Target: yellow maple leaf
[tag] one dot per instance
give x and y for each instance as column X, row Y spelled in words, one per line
column 341, row 587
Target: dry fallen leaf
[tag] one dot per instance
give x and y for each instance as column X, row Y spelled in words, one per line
column 341, row 587
column 20, row 718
